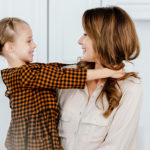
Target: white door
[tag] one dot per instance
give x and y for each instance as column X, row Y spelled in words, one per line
column 66, row 28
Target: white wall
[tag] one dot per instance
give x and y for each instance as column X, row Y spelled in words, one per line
column 142, row 65
column 66, row 28
column 35, row 13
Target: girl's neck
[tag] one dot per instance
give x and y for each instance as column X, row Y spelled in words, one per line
column 14, row 62
column 17, row 63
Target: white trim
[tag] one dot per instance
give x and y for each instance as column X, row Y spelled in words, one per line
column 124, row 2
column 94, row 3
column 138, row 9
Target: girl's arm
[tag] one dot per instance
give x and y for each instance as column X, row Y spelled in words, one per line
column 93, row 74
column 55, row 77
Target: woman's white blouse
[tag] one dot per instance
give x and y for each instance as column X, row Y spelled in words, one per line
column 4, row 106
column 83, row 127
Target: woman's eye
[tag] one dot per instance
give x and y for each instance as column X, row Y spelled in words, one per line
column 85, row 34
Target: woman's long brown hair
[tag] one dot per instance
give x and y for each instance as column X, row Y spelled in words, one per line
column 114, row 40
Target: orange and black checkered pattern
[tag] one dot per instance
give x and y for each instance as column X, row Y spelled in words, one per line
column 33, row 101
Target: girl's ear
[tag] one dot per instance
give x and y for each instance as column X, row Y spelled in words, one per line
column 8, row 46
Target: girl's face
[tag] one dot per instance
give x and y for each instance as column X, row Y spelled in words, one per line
column 23, row 45
column 86, row 45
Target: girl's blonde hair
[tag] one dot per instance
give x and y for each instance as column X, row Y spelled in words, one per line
column 8, row 30
column 114, row 40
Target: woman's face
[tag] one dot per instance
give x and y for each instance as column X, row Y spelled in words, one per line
column 86, row 45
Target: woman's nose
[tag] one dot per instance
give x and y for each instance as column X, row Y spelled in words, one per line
column 80, row 41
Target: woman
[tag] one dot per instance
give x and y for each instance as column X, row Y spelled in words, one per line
column 105, row 114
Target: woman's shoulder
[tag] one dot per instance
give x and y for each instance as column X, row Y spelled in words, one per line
column 131, row 85
column 70, row 66
column 64, row 93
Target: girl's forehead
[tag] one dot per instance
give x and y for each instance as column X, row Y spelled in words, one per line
column 23, row 29
column 22, row 26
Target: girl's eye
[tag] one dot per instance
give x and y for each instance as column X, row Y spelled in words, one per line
column 29, row 41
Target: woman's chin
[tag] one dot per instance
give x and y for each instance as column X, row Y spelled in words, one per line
column 86, row 59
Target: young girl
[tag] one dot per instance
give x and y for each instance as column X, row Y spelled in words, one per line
column 31, row 89
column 105, row 114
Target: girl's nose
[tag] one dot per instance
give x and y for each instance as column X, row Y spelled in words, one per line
column 34, row 45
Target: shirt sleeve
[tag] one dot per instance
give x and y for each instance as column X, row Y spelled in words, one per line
column 122, row 132
column 52, row 76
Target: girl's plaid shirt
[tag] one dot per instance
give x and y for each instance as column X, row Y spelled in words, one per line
column 33, row 101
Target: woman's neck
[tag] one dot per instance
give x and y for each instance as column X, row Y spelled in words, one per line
column 92, row 85
column 98, row 66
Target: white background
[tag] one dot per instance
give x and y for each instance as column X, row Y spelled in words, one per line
column 56, row 26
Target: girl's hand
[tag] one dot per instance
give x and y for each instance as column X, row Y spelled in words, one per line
column 116, row 74
column 93, row 74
